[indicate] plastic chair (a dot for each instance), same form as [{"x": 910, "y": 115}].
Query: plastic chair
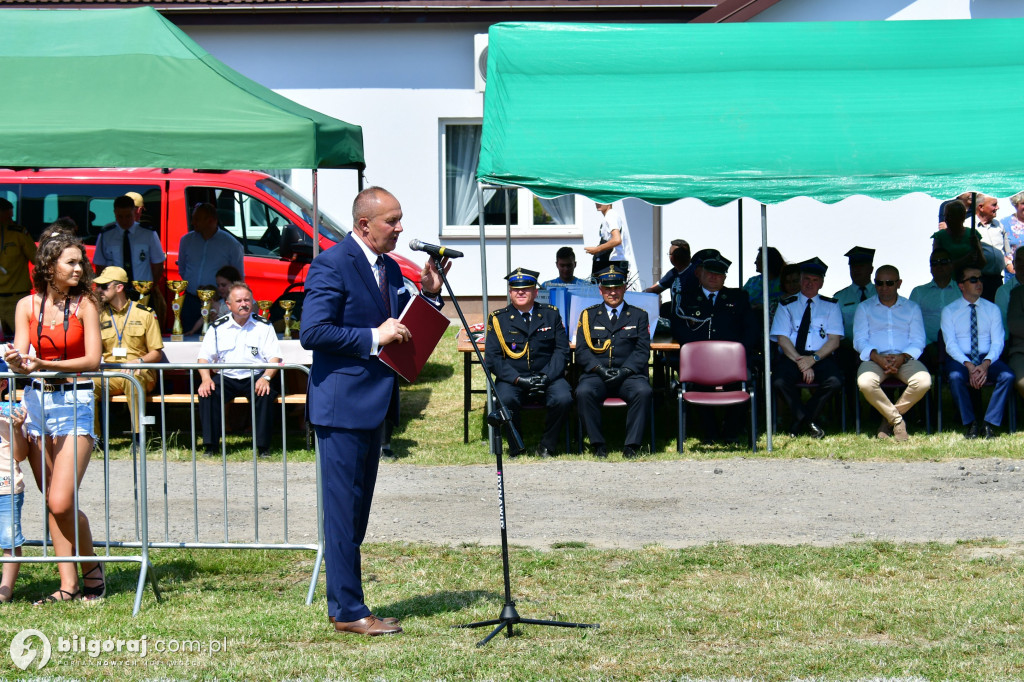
[{"x": 714, "y": 365}]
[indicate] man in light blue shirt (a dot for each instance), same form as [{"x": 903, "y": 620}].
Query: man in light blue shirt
[
  {"x": 972, "y": 330},
  {"x": 565, "y": 261},
  {"x": 932, "y": 298},
  {"x": 888, "y": 335},
  {"x": 201, "y": 253}
]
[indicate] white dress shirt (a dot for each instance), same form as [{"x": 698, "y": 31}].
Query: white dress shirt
[
  {"x": 956, "y": 330},
  {"x": 890, "y": 330}
]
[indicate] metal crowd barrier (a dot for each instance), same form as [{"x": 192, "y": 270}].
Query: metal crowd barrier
[{"x": 181, "y": 492}]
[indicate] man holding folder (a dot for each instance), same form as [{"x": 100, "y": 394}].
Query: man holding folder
[{"x": 354, "y": 294}]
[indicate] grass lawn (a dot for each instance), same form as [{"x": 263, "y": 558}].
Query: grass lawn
[{"x": 714, "y": 612}]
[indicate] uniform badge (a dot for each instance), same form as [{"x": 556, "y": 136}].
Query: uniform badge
[
  {"x": 512, "y": 346},
  {"x": 142, "y": 255},
  {"x": 821, "y": 332},
  {"x": 254, "y": 350}
]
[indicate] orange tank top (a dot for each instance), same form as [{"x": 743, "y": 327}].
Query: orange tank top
[{"x": 53, "y": 343}]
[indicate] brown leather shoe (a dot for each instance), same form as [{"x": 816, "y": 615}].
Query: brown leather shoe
[
  {"x": 885, "y": 429},
  {"x": 899, "y": 432},
  {"x": 387, "y": 619},
  {"x": 370, "y": 626}
]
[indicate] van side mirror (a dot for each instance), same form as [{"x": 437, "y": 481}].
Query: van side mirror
[{"x": 296, "y": 245}]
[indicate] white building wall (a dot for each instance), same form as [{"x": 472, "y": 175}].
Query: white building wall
[{"x": 399, "y": 82}]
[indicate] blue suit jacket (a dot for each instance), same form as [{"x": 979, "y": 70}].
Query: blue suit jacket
[{"x": 349, "y": 388}]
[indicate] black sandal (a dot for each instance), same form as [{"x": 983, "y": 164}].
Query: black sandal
[
  {"x": 54, "y": 598},
  {"x": 93, "y": 594}
]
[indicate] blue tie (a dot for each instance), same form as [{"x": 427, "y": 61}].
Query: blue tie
[{"x": 975, "y": 354}]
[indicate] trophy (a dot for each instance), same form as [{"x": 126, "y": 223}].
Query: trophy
[
  {"x": 206, "y": 296},
  {"x": 143, "y": 289},
  {"x": 264, "y": 307},
  {"x": 178, "y": 287},
  {"x": 286, "y": 306}
]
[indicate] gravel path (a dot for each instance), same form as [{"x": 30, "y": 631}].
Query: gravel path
[{"x": 604, "y": 504}]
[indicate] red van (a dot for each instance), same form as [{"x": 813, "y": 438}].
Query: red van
[{"x": 271, "y": 220}]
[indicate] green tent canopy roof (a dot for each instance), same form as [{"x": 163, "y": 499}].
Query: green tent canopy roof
[
  {"x": 124, "y": 88},
  {"x": 769, "y": 111}
]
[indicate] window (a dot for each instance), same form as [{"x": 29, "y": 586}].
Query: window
[
  {"x": 251, "y": 221},
  {"x": 530, "y": 215}
]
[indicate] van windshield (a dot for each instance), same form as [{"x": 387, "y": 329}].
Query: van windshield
[{"x": 301, "y": 206}]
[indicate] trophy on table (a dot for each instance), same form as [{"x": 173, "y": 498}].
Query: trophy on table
[
  {"x": 286, "y": 306},
  {"x": 143, "y": 289},
  {"x": 264, "y": 307},
  {"x": 206, "y": 296},
  {"x": 178, "y": 287}
]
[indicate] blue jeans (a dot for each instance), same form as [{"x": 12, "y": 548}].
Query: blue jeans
[
  {"x": 960, "y": 387},
  {"x": 7, "y": 503}
]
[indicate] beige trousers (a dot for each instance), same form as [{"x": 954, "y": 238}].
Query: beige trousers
[{"x": 912, "y": 372}]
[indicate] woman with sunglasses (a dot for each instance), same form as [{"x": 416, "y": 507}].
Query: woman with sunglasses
[{"x": 60, "y": 320}]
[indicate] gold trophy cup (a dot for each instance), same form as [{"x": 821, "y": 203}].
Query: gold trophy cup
[
  {"x": 178, "y": 287},
  {"x": 264, "y": 307},
  {"x": 287, "y": 306},
  {"x": 143, "y": 289},
  {"x": 206, "y": 296}
]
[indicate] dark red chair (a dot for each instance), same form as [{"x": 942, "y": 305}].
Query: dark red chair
[{"x": 712, "y": 366}]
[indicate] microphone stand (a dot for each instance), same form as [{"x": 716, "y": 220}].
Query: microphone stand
[{"x": 500, "y": 417}]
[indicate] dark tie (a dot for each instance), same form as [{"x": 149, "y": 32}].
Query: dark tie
[
  {"x": 712, "y": 298},
  {"x": 615, "y": 316},
  {"x": 801, "y": 332},
  {"x": 863, "y": 294},
  {"x": 526, "y": 319},
  {"x": 126, "y": 255},
  {"x": 975, "y": 353},
  {"x": 382, "y": 283}
]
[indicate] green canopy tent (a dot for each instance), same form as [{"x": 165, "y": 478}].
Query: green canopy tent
[
  {"x": 126, "y": 88},
  {"x": 770, "y": 111}
]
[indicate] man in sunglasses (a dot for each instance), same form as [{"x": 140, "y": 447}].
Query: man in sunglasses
[
  {"x": 972, "y": 330},
  {"x": 932, "y": 298},
  {"x": 888, "y": 335}
]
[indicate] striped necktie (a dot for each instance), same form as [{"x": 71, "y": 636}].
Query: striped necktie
[
  {"x": 975, "y": 352},
  {"x": 382, "y": 284}
]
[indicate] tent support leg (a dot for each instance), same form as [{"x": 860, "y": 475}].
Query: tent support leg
[{"x": 767, "y": 341}]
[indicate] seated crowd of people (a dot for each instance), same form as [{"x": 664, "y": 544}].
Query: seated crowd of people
[{"x": 966, "y": 326}]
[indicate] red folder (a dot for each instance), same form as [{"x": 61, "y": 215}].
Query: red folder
[{"x": 426, "y": 326}]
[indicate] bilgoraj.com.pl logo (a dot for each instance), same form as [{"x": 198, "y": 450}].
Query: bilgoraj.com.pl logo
[
  {"x": 32, "y": 648},
  {"x": 28, "y": 646}
]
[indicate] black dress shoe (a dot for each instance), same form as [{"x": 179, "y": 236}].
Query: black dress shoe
[
  {"x": 543, "y": 452},
  {"x": 387, "y": 455},
  {"x": 629, "y": 452},
  {"x": 599, "y": 450},
  {"x": 989, "y": 430},
  {"x": 797, "y": 428},
  {"x": 211, "y": 450},
  {"x": 264, "y": 453},
  {"x": 971, "y": 432},
  {"x": 816, "y": 431}
]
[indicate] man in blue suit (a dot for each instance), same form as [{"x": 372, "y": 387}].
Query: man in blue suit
[{"x": 354, "y": 293}]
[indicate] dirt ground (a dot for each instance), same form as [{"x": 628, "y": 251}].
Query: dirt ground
[{"x": 604, "y": 504}]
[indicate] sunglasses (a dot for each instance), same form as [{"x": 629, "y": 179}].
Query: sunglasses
[
  {"x": 972, "y": 280},
  {"x": 885, "y": 282},
  {"x": 941, "y": 261}
]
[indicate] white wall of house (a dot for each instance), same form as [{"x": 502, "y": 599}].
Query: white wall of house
[{"x": 403, "y": 83}]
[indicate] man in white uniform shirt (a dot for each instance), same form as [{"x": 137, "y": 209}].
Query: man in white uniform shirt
[
  {"x": 127, "y": 245},
  {"x": 241, "y": 337},
  {"x": 972, "y": 330},
  {"x": 888, "y": 335},
  {"x": 808, "y": 328}
]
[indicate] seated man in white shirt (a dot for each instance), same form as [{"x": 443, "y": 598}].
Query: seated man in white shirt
[
  {"x": 972, "y": 330},
  {"x": 239, "y": 338},
  {"x": 888, "y": 335}
]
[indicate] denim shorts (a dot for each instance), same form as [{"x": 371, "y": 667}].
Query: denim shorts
[
  {"x": 63, "y": 409},
  {"x": 5, "y": 520}
]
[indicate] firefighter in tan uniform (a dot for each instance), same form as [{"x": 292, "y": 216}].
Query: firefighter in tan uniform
[
  {"x": 130, "y": 334},
  {"x": 16, "y": 251}
]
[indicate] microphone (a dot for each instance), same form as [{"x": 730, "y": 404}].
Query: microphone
[{"x": 434, "y": 250}]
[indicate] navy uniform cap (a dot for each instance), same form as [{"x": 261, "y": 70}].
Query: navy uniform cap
[
  {"x": 612, "y": 276},
  {"x": 719, "y": 264},
  {"x": 814, "y": 266},
  {"x": 521, "y": 278},
  {"x": 703, "y": 255},
  {"x": 859, "y": 255}
]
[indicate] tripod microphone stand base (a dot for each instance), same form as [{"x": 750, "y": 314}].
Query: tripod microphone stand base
[{"x": 509, "y": 617}]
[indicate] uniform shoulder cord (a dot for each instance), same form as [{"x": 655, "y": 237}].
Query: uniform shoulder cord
[
  {"x": 515, "y": 355},
  {"x": 585, "y": 323}
]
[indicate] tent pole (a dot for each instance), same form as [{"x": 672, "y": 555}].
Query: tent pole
[
  {"x": 483, "y": 302},
  {"x": 739, "y": 237},
  {"x": 656, "y": 243},
  {"x": 508, "y": 242},
  {"x": 767, "y": 327},
  {"x": 316, "y": 218}
]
